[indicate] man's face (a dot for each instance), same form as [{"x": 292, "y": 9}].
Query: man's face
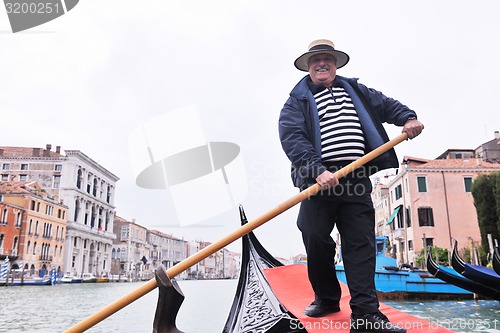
[{"x": 322, "y": 69}]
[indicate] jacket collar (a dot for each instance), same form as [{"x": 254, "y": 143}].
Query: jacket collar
[{"x": 306, "y": 86}]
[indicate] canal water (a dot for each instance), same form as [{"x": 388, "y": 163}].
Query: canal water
[{"x": 55, "y": 308}]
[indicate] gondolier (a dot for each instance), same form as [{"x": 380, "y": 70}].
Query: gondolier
[{"x": 327, "y": 122}]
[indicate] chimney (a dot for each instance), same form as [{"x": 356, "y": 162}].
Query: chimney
[
  {"x": 46, "y": 152},
  {"x": 497, "y": 135},
  {"x": 36, "y": 152},
  {"x": 58, "y": 149}
]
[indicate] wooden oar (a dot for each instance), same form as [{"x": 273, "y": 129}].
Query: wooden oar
[{"x": 238, "y": 233}]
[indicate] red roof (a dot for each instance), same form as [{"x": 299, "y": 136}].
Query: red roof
[
  {"x": 15, "y": 152},
  {"x": 466, "y": 163},
  {"x": 11, "y": 187}
]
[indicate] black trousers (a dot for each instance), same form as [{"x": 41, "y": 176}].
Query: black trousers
[{"x": 349, "y": 207}]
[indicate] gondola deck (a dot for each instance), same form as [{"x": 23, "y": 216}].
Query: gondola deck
[{"x": 291, "y": 286}]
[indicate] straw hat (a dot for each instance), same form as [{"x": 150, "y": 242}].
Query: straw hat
[{"x": 321, "y": 46}]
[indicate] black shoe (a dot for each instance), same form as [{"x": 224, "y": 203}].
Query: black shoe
[
  {"x": 373, "y": 323},
  {"x": 318, "y": 310}
]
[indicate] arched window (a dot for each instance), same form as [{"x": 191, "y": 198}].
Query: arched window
[
  {"x": 18, "y": 219},
  {"x": 4, "y": 217},
  {"x": 113, "y": 253},
  {"x": 77, "y": 209},
  {"x": 31, "y": 225},
  {"x": 108, "y": 194},
  {"x": 34, "y": 248},
  {"x": 89, "y": 183},
  {"x": 79, "y": 179},
  {"x": 14, "y": 245},
  {"x": 28, "y": 247},
  {"x": 2, "y": 236}
]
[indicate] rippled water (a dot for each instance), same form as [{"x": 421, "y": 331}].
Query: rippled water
[
  {"x": 57, "y": 308},
  {"x": 458, "y": 316},
  {"x": 205, "y": 309}
]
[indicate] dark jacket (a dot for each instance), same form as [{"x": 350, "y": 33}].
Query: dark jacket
[{"x": 300, "y": 135}]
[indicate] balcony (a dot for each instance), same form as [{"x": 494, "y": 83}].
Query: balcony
[
  {"x": 45, "y": 258},
  {"x": 398, "y": 234}
]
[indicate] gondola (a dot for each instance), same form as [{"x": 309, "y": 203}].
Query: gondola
[
  {"x": 496, "y": 260},
  {"x": 255, "y": 307},
  {"x": 479, "y": 274},
  {"x": 451, "y": 276},
  {"x": 258, "y": 304}
]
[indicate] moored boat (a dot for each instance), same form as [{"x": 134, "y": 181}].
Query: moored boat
[
  {"x": 451, "y": 276},
  {"x": 496, "y": 260},
  {"x": 405, "y": 281},
  {"x": 88, "y": 278},
  {"x": 480, "y": 274},
  {"x": 27, "y": 281},
  {"x": 71, "y": 279},
  {"x": 102, "y": 279}
]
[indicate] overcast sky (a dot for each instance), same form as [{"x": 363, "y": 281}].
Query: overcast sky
[{"x": 86, "y": 80}]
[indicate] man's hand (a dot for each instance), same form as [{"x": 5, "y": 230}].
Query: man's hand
[
  {"x": 413, "y": 128},
  {"x": 327, "y": 179}
]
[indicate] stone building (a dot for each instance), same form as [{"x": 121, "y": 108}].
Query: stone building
[
  {"x": 130, "y": 252},
  {"x": 85, "y": 187},
  {"x": 166, "y": 249}
]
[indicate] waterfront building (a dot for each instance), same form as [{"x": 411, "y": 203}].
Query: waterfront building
[
  {"x": 130, "y": 252},
  {"x": 36, "y": 225},
  {"x": 167, "y": 250},
  {"x": 11, "y": 217},
  {"x": 380, "y": 198},
  {"x": 431, "y": 204},
  {"x": 86, "y": 188},
  {"x": 222, "y": 264},
  {"x": 196, "y": 271}
]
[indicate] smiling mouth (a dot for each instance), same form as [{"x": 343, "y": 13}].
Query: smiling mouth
[{"x": 322, "y": 69}]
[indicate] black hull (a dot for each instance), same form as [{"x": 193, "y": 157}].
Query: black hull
[
  {"x": 496, "y": 261},
  {"x": 479, "y": 274},
  {"x": 255, "y": 307},
  {"x": 446, "y": 275}
]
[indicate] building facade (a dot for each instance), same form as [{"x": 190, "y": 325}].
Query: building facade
[
  {"x": 11, "y": 217},
  {"x": 130, "y": 251},
  {"x": 137, "y": 251},
  {"x": 431, "y": 204},
  {"x": 489, "y": 151},
  {"x": 85, "y": 187},
  {"x": 166, "y": 249},
  {"x": 38, "y": 227}
]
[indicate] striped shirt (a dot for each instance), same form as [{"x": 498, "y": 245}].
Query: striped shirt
[{"x": 341, "y": 133}]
